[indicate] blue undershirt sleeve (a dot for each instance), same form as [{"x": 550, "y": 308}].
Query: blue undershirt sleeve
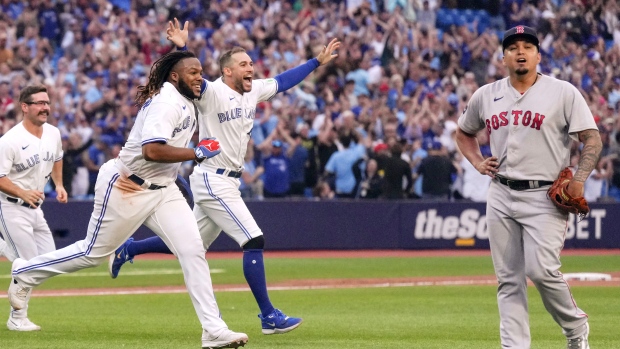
[{"x": 295, "y": 75}]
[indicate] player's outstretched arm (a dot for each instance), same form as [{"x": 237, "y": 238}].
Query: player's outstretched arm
[
  {"x": 327, "y": 53},
  {"x": 295, "y": 75}
]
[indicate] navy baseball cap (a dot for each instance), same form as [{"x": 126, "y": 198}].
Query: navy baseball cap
[
  {"x": 520, "y": 32},
  {"x": 276, "y": 143}
]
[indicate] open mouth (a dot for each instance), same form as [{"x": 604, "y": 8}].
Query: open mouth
[
  {"x": 247, "y": 78},
  {"x": 521, "y": 60}
]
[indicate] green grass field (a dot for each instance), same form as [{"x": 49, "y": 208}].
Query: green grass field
[{"x": 398, "y": 317}]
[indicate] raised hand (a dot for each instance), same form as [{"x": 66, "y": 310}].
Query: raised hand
[
  {"x": 206, "y": 149},
  {"x": 327, "y": 53},
  {"x": 175, "y": 34}
]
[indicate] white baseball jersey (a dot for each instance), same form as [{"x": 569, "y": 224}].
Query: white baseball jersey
[
  {"x": 172, "y": 120},
  {"x": 229, "y": 116},
  {"x": 121, "y": 207},
  {"x": 28, "y": 160},
  {"x": 528, "y": 132}
]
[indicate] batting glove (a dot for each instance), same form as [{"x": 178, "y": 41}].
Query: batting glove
[{"x": 206, "y": 149}]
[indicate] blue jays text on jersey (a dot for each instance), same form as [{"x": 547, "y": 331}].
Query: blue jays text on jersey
[
  {"x": 183, "y": 126},
  {"x": 33, "y": 161},
  {"x": 248, "y": 113}
]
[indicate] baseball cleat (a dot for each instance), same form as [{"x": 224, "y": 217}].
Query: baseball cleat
[
  {"x": 580, "y": 342},
  {"x": 277, "y": 322},
  {"x": 226, "y": 339},
  {"x": 119, "y": 258},
  {"x": 22, "y": 325},
  {"x": 18, "y": 295}
]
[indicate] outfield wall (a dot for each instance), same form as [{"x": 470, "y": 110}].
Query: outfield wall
[{"x": 297, "y": 225}]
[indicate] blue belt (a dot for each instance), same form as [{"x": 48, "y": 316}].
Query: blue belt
[
  {"x": 139, "y": 181},
  {"x": 233, "y": 174},
  {"x": 25, "y": 204}
]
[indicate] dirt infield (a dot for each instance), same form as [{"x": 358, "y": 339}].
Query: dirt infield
[
  {"x": 338, "y": 283},
  {"x": 380, "y": 253}
]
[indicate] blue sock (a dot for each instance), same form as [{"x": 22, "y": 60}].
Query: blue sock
[
  {"x": 254, "y": 272},
  {"x": 150, "y": 245}
]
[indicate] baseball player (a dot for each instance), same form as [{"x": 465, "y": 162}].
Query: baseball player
[
  {"x": 31, "y": 153},
  {"x": 228, "y": 108},
  {"x": 531, "y": 119},
  {"x": 138, "y": 188}
]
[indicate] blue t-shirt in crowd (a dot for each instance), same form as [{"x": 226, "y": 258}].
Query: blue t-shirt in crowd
[
  {"x": 341, "y": 164},
  {"x": 297, "y": 169},
  {"x": 360, "y": 77},
  {"x": 276, "y": 174},
  {"x": 49, "y": 24}
]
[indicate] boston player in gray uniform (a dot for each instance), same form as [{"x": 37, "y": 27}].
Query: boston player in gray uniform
[
  {"x": 31, "y": 153},
  {"x": 532, "y": 120},
  {"x": 228, "y": 108},
  {"x": 138, "y": 188}
]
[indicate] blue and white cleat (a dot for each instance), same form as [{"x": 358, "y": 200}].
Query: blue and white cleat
[
  {"x": 119, "y": 258},
  {"x": 277, "y": 322}
]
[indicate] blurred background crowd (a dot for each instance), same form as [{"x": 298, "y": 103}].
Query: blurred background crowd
[{"x": 378, "y": 122}]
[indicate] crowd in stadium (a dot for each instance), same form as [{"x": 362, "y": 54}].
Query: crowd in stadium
[{"x": 373, "y": 124}]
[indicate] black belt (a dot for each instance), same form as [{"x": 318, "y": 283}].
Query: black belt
[
  {"x": 233, "y": 174},
  {"x": 139, "y": 181},
  {"x": 14, "y": 200},
  {"x": 522, "y": 185}
]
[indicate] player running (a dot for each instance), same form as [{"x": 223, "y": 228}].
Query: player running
[
  {"x": 138, "y": 188},
  {"x": 228, "y": 108}
]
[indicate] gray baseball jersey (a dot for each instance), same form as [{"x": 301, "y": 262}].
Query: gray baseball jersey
[
  {"x": 528, "y": 130},
  {"x": 530, "y": 134}
]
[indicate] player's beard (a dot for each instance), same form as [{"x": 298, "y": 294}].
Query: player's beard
[
  {"x": 522, "y": 71},
  {"x": 186, "y": 90},
  {"x": 239, "y": 86}
]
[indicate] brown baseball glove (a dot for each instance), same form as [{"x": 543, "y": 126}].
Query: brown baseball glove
[{"x": 560, "y": 197}]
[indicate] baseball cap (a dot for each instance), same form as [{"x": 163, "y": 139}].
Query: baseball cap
[
  {"x": 276, "y": 143},
  {"x": 520, "y": 32},
  {"x": 380, "y": 147}
]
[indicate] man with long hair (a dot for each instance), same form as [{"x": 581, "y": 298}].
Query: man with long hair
[
  {"x": 228, "y": 109},
  {"x": 138, "y": 188}
]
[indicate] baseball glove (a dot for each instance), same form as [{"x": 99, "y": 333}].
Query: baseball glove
[{"x": 560, "y": 197}]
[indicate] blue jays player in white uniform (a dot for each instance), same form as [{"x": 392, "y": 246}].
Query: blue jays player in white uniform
[
  {"x": 532, "y": 120},
  {"x": 228, "y": 108},
  {"x": 31, "y": 153},
  {"x": 138, "y": 188}
]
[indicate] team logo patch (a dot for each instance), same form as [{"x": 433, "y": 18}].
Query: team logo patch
[{"x": 520, "y": 29}]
